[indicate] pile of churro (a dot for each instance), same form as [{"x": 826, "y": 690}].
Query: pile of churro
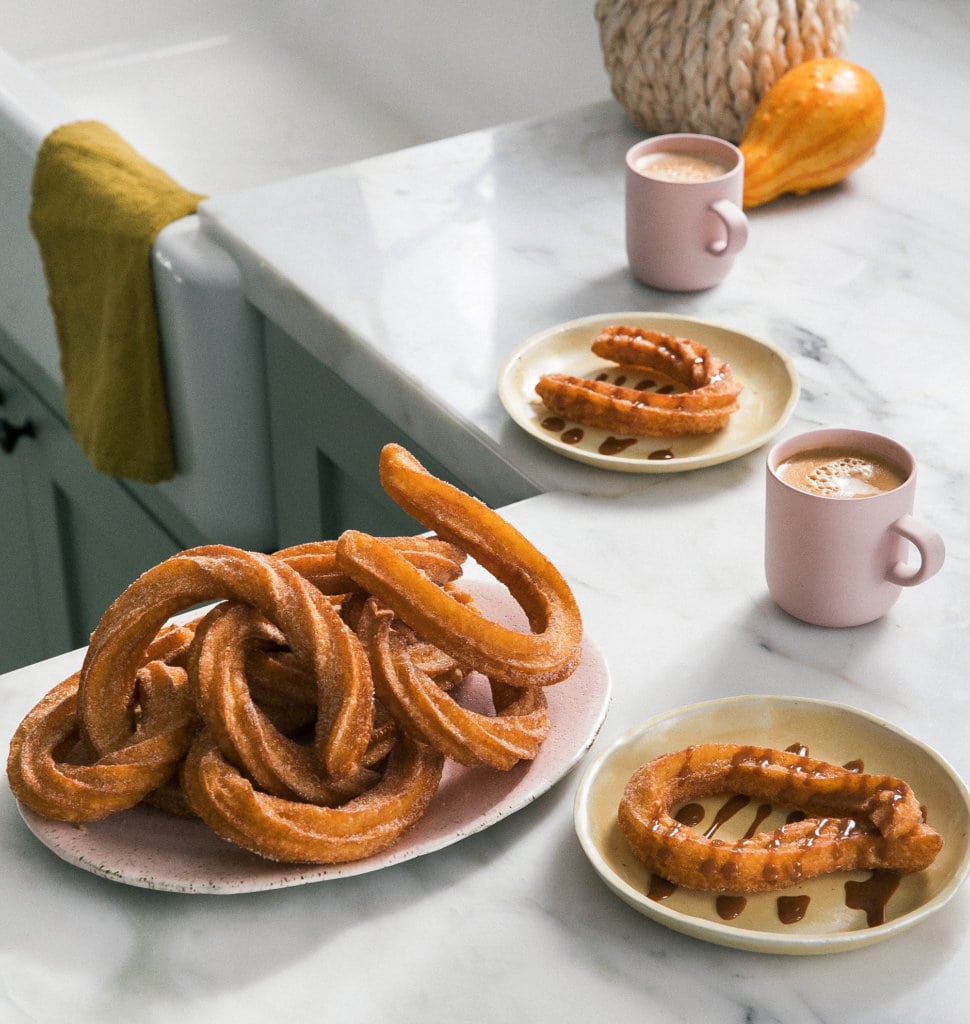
[{"x": 307, "y": 712}]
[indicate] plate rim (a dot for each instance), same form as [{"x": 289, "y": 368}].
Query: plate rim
[
  {"x": 284, "y": 875},
  {"x": 751, "y": 940},
  {"x": 510, "y": 396}
]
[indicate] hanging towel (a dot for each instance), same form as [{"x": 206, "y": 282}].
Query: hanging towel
[{"x": 97, "y": 207}]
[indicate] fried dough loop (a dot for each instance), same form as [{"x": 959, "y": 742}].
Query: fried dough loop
[
  {"x": 701, "y": 395},
  {"x": 856, "y": 821},
  {"x": 245, "y": 734},
  {"x": 213, "y": 573},
  {"x": 52, "y": 771},
  {"x": 298, "y": 831},
  {"x": 430, "y": 715},
  {"x": 544, "y": 656},
  {"x": 260, "y": 715}
]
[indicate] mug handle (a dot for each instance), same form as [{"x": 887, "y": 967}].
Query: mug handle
[
  {"x": 736, "y": 226},
  {"x": 927, "y": 542}
]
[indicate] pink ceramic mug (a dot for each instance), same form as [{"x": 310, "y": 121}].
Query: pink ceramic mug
[
  {"x": 684, "y": 226},
  {"x": 841, "y": 561}
]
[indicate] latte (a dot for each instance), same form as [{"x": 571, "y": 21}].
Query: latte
[
  {"x": 679, "y": 167},
  {"x": 840, "y": 473}
]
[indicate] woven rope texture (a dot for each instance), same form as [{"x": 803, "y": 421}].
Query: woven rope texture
[{"x": 702, "y": 65}]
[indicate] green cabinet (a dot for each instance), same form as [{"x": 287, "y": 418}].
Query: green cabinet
[
  {"x": 326, "y": 442},
  {"x": 21, "y": 614},
  {"x": 72, "y": 538}
]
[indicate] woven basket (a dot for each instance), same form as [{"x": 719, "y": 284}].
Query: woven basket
[{"x": 702, "y": 65}]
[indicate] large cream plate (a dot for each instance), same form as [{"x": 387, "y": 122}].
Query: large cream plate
[
  {"x": 149, "y": 849},
  {"x": 832, "y": 732},
  {"x": 769, "y": 396}
]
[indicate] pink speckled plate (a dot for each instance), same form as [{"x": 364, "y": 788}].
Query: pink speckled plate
[{"x": 147, "y": 848}]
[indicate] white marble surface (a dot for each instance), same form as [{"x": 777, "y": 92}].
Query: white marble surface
[
  {"x": 514, "y": 921},
  {"x": 436, "y": 263},
  {"x": 415, "y": 275}
]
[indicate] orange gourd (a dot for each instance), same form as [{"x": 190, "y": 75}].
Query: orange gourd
[{"x": 811, "y": 129}]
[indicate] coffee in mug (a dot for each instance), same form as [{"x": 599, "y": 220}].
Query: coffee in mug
[
  {"x": 684, "y": 218},
  {"x": 840, "y": 529},
  {"x": 841, "y": 472},
  {"x": 665, "y": 166}
]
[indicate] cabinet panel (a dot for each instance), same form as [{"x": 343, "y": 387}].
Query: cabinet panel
[
  {"x": 20, "y": 611},
  {"x": 86, "y": 537},
  {"x": 326, "y": 443},
  {"x": 94, "y": 538}
]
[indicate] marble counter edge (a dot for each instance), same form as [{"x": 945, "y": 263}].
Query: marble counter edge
[{"x": 503, "y": 462}]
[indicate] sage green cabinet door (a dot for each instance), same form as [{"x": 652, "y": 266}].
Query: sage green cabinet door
[
  {"x": 73, "y": 538},
  {"x": 326, "y": 445},
  {"x": 92, "y": 537},
  {"x": 21, "y": 639}
]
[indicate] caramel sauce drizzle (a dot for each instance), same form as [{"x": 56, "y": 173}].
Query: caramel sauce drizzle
[
  {"x": 763, "y": 811},
  {"x": 727, "y": 811},
  {"x": 572, "y": 435},
  {"x": 690, "y": 815},
  {"x": 729, "y": 908},
  {"x": 615, "y": 445},
  {"x": 871, "y": 895},
  {"x": 791, "y": 909},
  {"x": 660, "y": 889}
]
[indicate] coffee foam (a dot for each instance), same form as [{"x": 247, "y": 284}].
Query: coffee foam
[
  {"x": 847, "y": 477},
  {"x": 849, "y": 473},
  {"x": 679, "y": 167}
]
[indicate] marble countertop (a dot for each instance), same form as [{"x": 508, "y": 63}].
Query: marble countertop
[
  {"x": 514, "y": 921},
  {"x": 449, "y": 256},
  {"x": 415, "y": 275}
]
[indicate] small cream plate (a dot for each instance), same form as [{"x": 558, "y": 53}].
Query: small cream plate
[
  {"x": 147, "y": 848},
  {"x": 769, "y": 396},
  {"x": 831, "y": 732}
]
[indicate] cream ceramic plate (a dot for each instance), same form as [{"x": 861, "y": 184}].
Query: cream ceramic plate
[
  {"x": 147, "y": 848},
  {"x": 831, "y": 732},
  {"x": 769, "y": 395}
]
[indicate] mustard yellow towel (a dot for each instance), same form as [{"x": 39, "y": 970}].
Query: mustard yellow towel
[{"x": 97, "y": 207}]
